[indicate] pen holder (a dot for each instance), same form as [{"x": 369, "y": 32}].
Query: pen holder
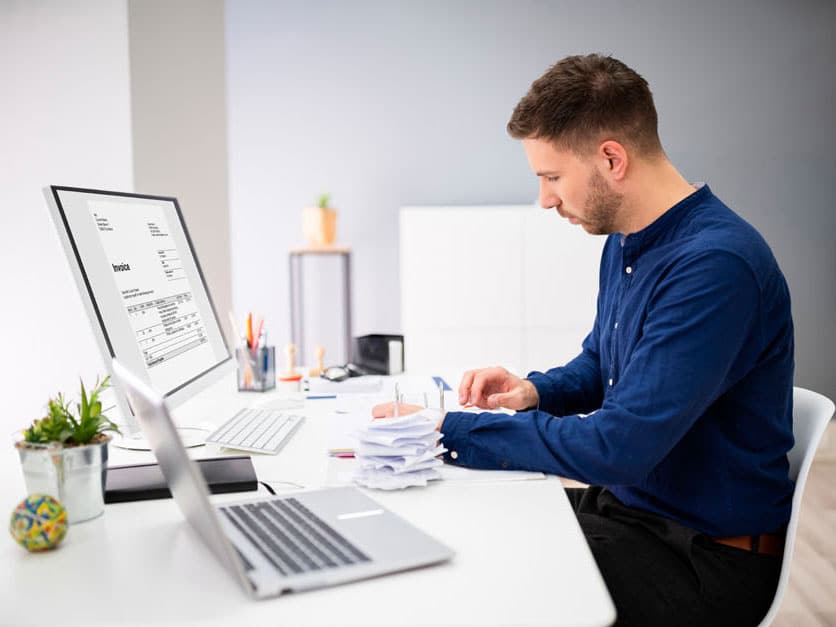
[{"x": 256, "y": 369}]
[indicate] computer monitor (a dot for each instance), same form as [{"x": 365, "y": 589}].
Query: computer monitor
[{"x": 144, "y": 292}]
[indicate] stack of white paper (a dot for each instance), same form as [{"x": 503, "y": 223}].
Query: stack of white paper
[{"x": 395, "y": 453}]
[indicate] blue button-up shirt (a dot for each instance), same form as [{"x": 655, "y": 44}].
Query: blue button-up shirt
[{"x": 681, "y": 400}]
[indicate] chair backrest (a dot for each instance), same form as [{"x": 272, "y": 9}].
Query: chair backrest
[{"x": 810, "y": 415}]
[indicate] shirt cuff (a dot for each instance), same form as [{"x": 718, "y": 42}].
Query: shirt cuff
[
  {"x": 455, "y": 430},
  {"x": 547, "y": 395}
]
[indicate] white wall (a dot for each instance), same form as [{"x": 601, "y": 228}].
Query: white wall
[
  {"x": 65, "y": 120},
  {"x": 520, "y": 291}
]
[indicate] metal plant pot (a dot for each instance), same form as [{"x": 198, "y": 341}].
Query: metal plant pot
[{"x": 75, "y": 475}]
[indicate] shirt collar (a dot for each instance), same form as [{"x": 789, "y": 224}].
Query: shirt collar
[{"x": 665, "y": 223}]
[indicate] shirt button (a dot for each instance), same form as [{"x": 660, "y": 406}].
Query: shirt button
[
  {"x": 610, "y": 382},
  {"x": 504, "y": 465},
  {"x": 454, "y": 455},
  {"x": 628, "y": 270},
  {"x": 616, "y": 325}
]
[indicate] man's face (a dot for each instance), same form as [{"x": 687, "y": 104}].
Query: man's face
[{"x": 574, "y": 186}]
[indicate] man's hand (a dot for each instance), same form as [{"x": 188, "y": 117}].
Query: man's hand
[{"x": 490, "y": 388}]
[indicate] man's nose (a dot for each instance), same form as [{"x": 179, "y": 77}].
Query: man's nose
[{"x": 548, "y": 199}]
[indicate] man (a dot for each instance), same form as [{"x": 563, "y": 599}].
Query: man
[{"x": 678, "y": 411}]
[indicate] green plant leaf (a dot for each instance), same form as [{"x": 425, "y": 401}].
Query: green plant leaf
[
  {"x": 61, "y": 425},
  {"x": 84, "y": 405}
]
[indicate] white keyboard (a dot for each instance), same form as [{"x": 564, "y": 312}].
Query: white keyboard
[{"x": 257, "y": 430}]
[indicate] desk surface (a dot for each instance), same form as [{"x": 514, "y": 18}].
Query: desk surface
[{"x": 520, "y": 556}]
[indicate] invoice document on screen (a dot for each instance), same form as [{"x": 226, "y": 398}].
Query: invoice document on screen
[{"x": 156, "y": 286}]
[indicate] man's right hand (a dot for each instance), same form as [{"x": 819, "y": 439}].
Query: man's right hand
[{"x": 490, "y": 388}]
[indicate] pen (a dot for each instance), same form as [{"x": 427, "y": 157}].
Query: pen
[
  {"x": 257, "y": 335},
  {"x": 262, "y": 346},
  {"x": 248, "y": 365},
  {"x": 397, "y": 397},
  {"x": 250, "y": 330}
]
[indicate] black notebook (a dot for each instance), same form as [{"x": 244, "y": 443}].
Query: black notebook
[{"x": 139, "y": 482}]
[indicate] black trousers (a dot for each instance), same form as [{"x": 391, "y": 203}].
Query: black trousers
[{"x": 662, "y": 573}]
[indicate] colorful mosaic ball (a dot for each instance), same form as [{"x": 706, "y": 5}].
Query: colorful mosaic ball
[{"x": 39, "y": 523}]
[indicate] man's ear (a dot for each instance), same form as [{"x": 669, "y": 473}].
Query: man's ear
[{"x": 616, "y": 157}]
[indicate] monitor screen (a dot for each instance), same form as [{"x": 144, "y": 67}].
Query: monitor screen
[{"x": 139, "y": 276}]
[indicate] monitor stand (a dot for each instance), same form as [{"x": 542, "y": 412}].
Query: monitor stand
[{"x": 191, "y": 437}]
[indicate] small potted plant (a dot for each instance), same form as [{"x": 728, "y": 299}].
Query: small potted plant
[
  {"x": 64, "y": 454},
  {"x": 319, "y": 224}
]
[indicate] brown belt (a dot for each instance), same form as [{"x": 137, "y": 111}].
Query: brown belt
[{"x": 769, "y": 543}]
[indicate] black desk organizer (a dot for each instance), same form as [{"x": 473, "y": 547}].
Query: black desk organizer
[{"x": 140, "y": 482}]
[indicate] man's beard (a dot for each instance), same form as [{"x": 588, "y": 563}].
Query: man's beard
[{"x": 601, "y": 206}]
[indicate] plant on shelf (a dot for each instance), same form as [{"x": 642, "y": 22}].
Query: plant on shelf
[
  {"x": 88, "y": 426},
  {"x": 64, "y": 454},
  {"x": 324, "y": 201},
  {"x": 319, "y": 224}
]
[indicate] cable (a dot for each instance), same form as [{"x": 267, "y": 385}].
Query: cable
[{"x": 284, "y": 483}]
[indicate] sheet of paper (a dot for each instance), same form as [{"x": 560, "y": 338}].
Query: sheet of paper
[
  {"x": 341, "y": 471},
  {"x": 414, "y": 390},
  {"x": 458, "y": 473},
  {"x": 420, "y": 391},
  {"x": 358, "y": 402},
  {"x": 412, "y": 384},
  {"x": 343, "y": 429},
  {"x": 413, "y": 452},
  {"x": 367, "y": 384},
  {"x": 384, "y": 479}
]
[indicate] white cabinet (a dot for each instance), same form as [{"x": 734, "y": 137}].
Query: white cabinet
[{"x": 494, "y": 285}]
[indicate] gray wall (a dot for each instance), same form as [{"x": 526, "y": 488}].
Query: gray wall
[
  {"x": 178, "y": 112},
  {"x": 387, "y": 104}
]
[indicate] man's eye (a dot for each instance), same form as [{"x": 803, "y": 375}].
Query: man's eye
[{"x": 552, "y": 179}]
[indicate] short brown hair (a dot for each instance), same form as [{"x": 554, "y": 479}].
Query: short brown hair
[{"x": 582, "y": 99}]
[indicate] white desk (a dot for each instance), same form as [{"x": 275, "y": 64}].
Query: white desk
[{"x": 520, "y": 556}]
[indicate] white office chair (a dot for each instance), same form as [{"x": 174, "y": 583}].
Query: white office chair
[{"x": 811, "y": 413}]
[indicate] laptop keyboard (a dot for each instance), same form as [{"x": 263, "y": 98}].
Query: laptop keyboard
[
  {"x": 291, "y": 537},
  {"x": 257, "y": 430}
]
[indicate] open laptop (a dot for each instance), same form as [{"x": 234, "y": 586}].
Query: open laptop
[{"x": 285, "y": 543}]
